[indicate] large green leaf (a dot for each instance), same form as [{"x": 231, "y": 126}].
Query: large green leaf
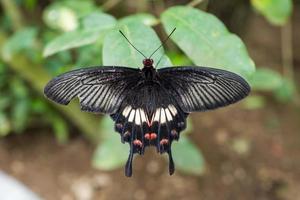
[
  {"x": 110, "y": 153},
  {"x": 71, "y": 40},
  {"x": 206, "y": 41},
  {"x": 118, "y": 52},
  {"x": 277, "y": 12}
]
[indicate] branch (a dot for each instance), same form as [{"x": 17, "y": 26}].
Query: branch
[
  {"x": 37, "y": 77},
  {"x": 13, "y": 12}
]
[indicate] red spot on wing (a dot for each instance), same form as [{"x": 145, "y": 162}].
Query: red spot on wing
[
  {"x": 150, "y": 136},
  {"x": 164, "y": 142},
  {"x": 138, "y": 143}
]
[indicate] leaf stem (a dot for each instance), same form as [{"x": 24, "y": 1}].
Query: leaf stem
[
  {"x": 110, "y": 4},
  {"x": 195, "y": 3}
]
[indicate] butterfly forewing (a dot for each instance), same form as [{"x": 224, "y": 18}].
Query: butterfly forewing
[
  {"x": 99, "y": 89},
  {"x": 200, "y": 88}
]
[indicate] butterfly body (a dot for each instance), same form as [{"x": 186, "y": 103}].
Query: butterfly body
[{"x": 149, "y": 106}]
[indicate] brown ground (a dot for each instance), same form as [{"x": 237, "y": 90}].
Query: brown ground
[{"x": 250, "y": 154}]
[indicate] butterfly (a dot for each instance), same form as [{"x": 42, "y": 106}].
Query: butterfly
[{"x": 149, "y": 106}]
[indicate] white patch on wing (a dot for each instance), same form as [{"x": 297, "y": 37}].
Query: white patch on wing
[
  {"x": 131, "y": 116},
  {"x": 168, "y": 114},
  {"x": 143, "y": 115},
  {"x": 126, "y": 111},
  {"x": 162, "y": 116},
  {"x": 137, "y": 117},
  {"x": 172, "y": 109},
  {"x": 156, "y": 115}
]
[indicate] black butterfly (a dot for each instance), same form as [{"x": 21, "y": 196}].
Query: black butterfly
[{"x": 149, "y": 106}]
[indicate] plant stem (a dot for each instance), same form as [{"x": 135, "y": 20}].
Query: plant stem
[
  {"x": 287, "y": 51},
  {"x": 13, "y": 12},
  {"x": 287, "y": 56}
]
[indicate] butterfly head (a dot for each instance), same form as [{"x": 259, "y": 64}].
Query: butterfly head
[{"x": 148, "y": 62}]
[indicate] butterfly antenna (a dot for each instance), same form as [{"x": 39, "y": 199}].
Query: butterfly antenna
[
  {"x": 132, "y": 44},
  {"x": 159, "y": 60},
  {"x": 163, "y": 42}
]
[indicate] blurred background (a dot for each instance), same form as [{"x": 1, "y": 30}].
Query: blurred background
[{"x": 249, "y": 150}]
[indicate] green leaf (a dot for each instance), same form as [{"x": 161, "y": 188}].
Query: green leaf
[
  {"x": 144, "y": 18},
  {"x": 254, "y": 102},
  {"x": 286, "y": 91},
  {"x": 64, "y": 15},
  {"x": 187, "y": 157},
  {"x": 110, "y": 154},
  {"x": 81, "y": 8},
  {"x": 118, "y": 52},
  {"x": 5, "y": 126},
  {"x": 5, "y": 101},
  {"x": 277, "y": 12},
  {"x": 89, "y": 55},
  {"x": 20, "y": 113},
  {"x": 98, "y": 20},
  {"x": 20, "y": 41},
  {"x": 21, "y": 105},
  {"x": 60, "y": 128},
  {"x": 265, "y": 79},
  {"x": 206, "y": 41},
  {"x": 71, "y": 40}
]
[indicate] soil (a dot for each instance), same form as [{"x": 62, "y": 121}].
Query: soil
[{"x": 250, "y": 154}]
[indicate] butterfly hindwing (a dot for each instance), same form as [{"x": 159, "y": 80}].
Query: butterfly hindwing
[
  {"x": 200, "y": 88},
  {"x": 99, "y": 89},
  {"x": 144, "y": 124}
]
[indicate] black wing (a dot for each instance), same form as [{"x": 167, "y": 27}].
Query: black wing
[
  {"x": 202, "y": 88},
  {"x": 99, "y": 89}
]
